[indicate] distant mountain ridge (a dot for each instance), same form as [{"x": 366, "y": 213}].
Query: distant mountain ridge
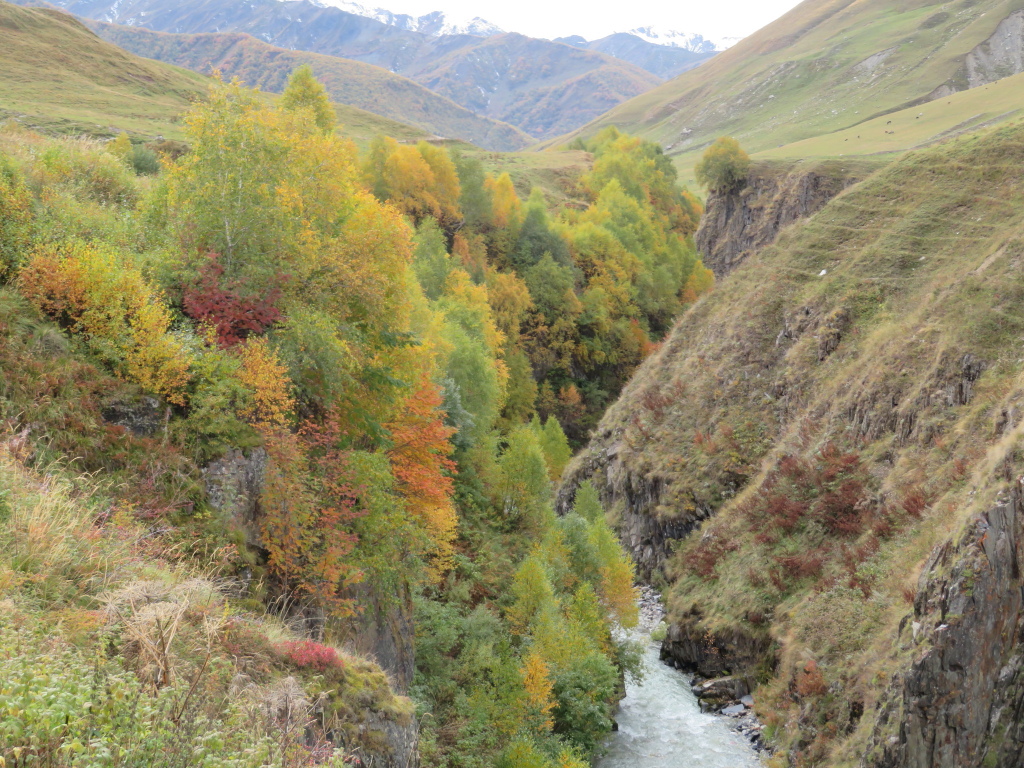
[
  {"x": 354, "y": 83},
  {"x": 665, "y": 61},
  {"x": 507, "y": 77},
  {"x": 435, "y": 23},
  {"x": 686, "y": 40}
]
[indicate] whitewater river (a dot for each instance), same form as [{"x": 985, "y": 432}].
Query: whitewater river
[{"x": 661, "y": 726}]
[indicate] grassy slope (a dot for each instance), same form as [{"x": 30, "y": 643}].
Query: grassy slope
[
  {"x": 58, "y": 76},
  {"x": 922, "y": 260},
  {"x": 916, "y": 126},
  {"x": 354, "y": 83},
  {"x": 811, "y": 72}
]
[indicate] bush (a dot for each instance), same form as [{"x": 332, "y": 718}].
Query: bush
[
  {"x": 144, "y": 160},
  {"x": 91, "y": 291},
  {"x": 723, "y": 166}
]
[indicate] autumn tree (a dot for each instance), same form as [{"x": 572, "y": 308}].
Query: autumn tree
[
  {"x": 304, "y": 91},
  {"x": 723, "y": 166},
  {"x": 421, "y": 465}
]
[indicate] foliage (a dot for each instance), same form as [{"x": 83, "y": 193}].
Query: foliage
[
  {"x": 723, "y": 166},
  {"x": 90, "y": 291},
  {"x": 398, "y": 373},
  {"x": 305, "y": 92},
  {"x": 233, "y": 317},
  {"x": 15, "y": 216}
]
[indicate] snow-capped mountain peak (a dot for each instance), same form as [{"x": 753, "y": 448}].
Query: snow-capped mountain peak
[
  {"x": 434, "y": 24},
  {"x": 675, "y": 39}
]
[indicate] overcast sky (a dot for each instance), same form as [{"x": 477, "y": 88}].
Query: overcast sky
[{"x": 597, "y": 18}]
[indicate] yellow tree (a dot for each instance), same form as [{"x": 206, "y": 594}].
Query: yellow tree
[{"x": 306, "y": 92}]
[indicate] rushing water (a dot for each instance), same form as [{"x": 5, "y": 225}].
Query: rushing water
[{"x": 661, "y": 726}]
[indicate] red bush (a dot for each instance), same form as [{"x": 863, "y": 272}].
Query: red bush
[
  {"x": 914, "y": 502},
  {"x": 235, "y": 317},
  {"x": 803, "y": 564},
  {"x": 307, "y": 654},
  {"x": 810, "y": 681},
  {"x": 705, "y": 557}
]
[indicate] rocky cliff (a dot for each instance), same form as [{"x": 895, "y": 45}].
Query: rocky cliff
[
  {"x": 739, "y": 223},
  {"x": 819, "y": 465},
  {"x": 383, "y": 632},
  {"x": 999, "y": 55}
]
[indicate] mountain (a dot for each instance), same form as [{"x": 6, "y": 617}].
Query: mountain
[
  {"x": 435, "y": 23},
  {"x": 349, "y": 82},
  {"x": 822, "y": 462},
  {"x": 672, "y": 39},
  {"x": 665, "y": 61},
  {"x": 536, "y": 74},
  {"x": 56, "y": 75},
  {"x": 825, "y": 66},
  {"x": 540, "y": 86}
]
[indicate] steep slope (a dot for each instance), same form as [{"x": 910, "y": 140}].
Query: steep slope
[
  {"x": 825, "y": 66},
  {"x": 349, "y": 82},
  {"x": 665, "y": 61},
  {"x": 821, "y": 463},
  {"x": 57, "y": 75},
  {"x": 542, "y": 86},
  {"x": 303, "y": 25}
]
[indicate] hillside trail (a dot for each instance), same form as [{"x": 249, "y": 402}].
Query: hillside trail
[{"x": 660, "y": 724}]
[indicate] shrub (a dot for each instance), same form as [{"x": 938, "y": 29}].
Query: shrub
[
  {"x": 723, "y": 166},
  {"x": 144, "y": 160},
  {"x": 233, "y": 316},
  {"x": 15, "y": 215},
  {"x": 308, "y": 654},
  {"x": 91, "y": 291}
]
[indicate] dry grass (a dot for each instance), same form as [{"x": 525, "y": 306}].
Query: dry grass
[{"x": 926, "y": 386}]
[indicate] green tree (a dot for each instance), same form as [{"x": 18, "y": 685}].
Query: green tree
[
  {"x": 723, "y": 166},
  {"x": 523, "y": 489},
  {"x": 555, "y": 446},
  {"x": 306, "y": 92}
]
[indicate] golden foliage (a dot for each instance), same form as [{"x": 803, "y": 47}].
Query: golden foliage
[
  {"x": 537, "y": 683},
  {"x": 266, "y": 378},
  {"x": 91, "y": 291}
]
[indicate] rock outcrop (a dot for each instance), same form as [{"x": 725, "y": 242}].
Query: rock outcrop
[
  {"x": 999, "y": 56},
  {"x": 635, "y": 497},
  {"x": 737, "y": 224},
  {"x": 959, "y": 704},
  {"x": 233, "y": 485},
  {"x": 383, "y": 632}
]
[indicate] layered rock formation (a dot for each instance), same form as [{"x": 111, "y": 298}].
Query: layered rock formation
[
  {"x": 820, "y": 462},
  {"x": 738, "y": 223}
]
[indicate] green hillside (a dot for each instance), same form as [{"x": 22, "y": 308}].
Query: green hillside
[
  {"x": 823, "y": 67},
  {"x": 916, "y": 126},
  {"x": 364, "y": 86},
  {"x": 56, "y": 75},
  {"x": 833, "y": 437}
]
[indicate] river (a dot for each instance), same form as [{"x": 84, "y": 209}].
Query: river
[{"x": 661, "y": 725}]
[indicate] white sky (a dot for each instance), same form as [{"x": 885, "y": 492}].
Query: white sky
[{"x": 558, "y": 18}]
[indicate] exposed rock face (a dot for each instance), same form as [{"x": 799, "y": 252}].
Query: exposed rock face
[
  {"x": 142, "y": 416},
  {"x": 1001, "y": 55},
  {"x": 959, "y": 704},
  {"x": 691, "y": 649},
  {"x": 736, "y": 224},
  {"x": 385, "y": 633},
  {"x": 233, "y": 485},
  {"x": 645, "y": 536},
  {"x": 401, "y": 743}
]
